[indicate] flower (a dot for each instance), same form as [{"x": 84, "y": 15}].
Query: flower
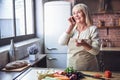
[{"x": 33, "y": 49}]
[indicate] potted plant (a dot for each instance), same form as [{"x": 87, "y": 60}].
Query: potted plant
[{"x": 33, "y": 52}]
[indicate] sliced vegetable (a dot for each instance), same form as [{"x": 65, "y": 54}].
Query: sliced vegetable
[{"x": 97, "y": 75}]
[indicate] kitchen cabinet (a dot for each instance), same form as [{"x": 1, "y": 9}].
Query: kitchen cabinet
[
  {"x": 95, "y": 5},
  {"x": 110, "y": 60},
  {"x": 40, "y": 63},
  {"x": 92, "y": 4}
]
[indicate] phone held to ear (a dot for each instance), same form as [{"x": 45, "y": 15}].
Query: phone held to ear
[{"x": 73, "y": 19}]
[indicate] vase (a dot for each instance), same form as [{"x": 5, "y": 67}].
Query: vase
[
  {"x": 12, "y": 51},
  {"x": 33, "y": 57}
]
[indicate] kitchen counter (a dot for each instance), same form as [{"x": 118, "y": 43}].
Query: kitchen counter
[
  {"x": 10, "y": 75},
  {"x": 32, "y": 74},
  {"x": 110, "y": 49},
  {"x": 109, "y": 59}
]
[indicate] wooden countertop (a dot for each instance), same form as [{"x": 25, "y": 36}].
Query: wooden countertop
[
  {"x": 110, "y": 49},
  {"x": 28, "y": 75}
]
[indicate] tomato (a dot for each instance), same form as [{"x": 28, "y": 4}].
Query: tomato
[{"x": 108, "y": 74}]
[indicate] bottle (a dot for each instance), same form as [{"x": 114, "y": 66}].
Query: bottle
[
  {"x": 12, "y": 51},
  {"x": 101, "y": 43},
  {"x": 109, "y": 44}
]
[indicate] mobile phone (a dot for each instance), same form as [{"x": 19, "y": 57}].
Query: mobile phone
[{"x": 73, "y": 19}]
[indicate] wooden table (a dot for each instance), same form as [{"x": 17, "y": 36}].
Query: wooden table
[{"x": 31, "y": 74}]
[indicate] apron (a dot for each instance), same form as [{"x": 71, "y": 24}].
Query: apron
[{"x": 79, "y": 58}]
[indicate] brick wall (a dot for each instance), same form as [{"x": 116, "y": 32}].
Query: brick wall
[{"x": 112, "y": 34}]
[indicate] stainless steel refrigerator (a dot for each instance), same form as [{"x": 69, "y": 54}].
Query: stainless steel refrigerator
[{"x": 56, "y": 14}]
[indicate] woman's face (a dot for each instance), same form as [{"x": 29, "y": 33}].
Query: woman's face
[{"x": 79, "y": 16}]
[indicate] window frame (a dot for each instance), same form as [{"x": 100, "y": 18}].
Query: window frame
[{"x": 6, "y": 41}]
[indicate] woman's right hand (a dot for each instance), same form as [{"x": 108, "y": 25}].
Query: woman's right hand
[{"x": 72, "y": 23}]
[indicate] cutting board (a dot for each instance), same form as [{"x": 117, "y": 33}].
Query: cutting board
[
  {"x": 18, "y": 69},
  {"x": 93, "y": 73}
]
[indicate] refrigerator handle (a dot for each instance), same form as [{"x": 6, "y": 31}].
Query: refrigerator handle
[
  {"x": 49, "y": 58},
  {"x": 51, "y": 48}
]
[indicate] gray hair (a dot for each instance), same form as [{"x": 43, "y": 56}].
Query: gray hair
[{"x": 84, "y": 9}]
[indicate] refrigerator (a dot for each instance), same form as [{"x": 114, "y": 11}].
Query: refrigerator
[{"x": 56, "y": 14}]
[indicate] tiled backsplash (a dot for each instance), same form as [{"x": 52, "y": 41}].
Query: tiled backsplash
[{"x": 112, "y": 34}]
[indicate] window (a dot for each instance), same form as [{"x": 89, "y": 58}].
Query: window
[
  {"x": 20, "y": 17},
  {"x": 16, "y": 20},
  {"x": 6, "y": 20}
]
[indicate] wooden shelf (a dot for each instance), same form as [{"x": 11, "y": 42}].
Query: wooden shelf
[
  {"x": 108, "y": 27},
  {"x": 105, "y": 12},
  {"x": 102, "y": 27}
]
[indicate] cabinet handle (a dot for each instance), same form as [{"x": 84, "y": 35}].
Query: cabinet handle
[
  {"x": 51, "y": 48},
  {"x": 49, "y": 58}
]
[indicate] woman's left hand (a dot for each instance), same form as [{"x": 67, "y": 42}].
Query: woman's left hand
[
  {"x": 80, "y": 42},
  {"x": 84, "y": 44}
]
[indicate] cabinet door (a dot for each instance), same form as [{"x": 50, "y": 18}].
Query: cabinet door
[
  {"x": 92, "y": 4},
  {"x": 111, "y": 60},
  {"x": 56, "y": 60}
]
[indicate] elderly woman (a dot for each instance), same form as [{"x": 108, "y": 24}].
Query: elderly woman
[{"x": 82, "y": 40}]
